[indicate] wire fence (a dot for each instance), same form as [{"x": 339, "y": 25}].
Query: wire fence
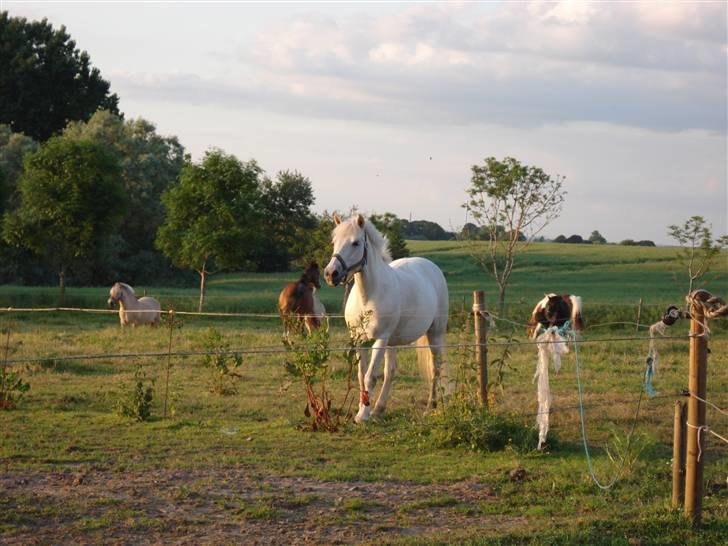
[{"x": 278, "y": 350}]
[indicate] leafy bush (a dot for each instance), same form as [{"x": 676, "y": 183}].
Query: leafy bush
[
  {"x": 463, "y": 422},
  {"x": 12, "y": 387},
  {"x": 221, "y": 362},
  {"x": 137, "y": 402}
]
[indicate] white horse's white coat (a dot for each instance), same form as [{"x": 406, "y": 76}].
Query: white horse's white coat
[
  {"x": 394, "y": 303},
  {"x": 146, "y": 310}
]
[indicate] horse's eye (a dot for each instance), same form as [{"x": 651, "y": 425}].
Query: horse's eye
[{"x": 355, "y": 243}]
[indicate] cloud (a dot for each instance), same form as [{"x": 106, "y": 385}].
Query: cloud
[{"x": 513, "y": 64}]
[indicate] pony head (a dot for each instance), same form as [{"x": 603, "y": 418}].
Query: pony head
[
  {"x": 117, "y": 292},
  {"x": 556, "y": 310},
  {"x": 312, "y": 275},
  {"x": 355, "y": 241}
]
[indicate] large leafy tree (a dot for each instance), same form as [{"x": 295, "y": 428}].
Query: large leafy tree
[
  {"x": 71, "y": 198},
  {"x": 286, "y": 202},
  {"x": 698, "y": 249},
  {"x": 45, "y": 81},
  {"x": 391, "y": 226},
  {"x": 213, "y": 216},
  {"x": 13, "y": 149},
  {"x": 511, "y": 202},
  {"x": 149, "y": 164}
]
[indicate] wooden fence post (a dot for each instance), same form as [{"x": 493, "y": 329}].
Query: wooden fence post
[
  {"x": 481, "y": 339},
  {"x": 678, "y": 455},
  {"x": 697, "y": 376}
]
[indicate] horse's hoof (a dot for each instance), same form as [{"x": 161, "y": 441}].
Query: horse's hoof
[{"x": 362, "y": 416}]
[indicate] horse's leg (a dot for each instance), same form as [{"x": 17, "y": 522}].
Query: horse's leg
[
  {"x": 362, "y": 368},
  {"x": 369, "y": 379},
  {"x": 390, "y": 367}
]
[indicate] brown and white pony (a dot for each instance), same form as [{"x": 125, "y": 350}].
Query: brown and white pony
[
  {"x": 298, "y": 301},
  {"x": 555, "y": 310}
]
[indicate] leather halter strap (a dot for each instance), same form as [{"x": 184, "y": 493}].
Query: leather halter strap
[{"x": 360, "y": 264}]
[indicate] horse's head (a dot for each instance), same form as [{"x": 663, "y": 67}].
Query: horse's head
[
  {"x": 312, "y": 275},
  {"x": 118, "y": 292},
  {"x": 350, "y": 250},
  {"x": 555, "y": 310},
  {"x": 114, "y": 294}
]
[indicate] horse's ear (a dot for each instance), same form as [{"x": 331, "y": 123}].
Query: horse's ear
[
  {"x": 337, "y": 219},
  {"x": 360, "y": 220}
]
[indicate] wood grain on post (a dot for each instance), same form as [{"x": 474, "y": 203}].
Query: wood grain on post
[
  {"x": 678, "y": 455},
  {"x": 697, "y": 376},
  {"x": 481, "y": 338}
]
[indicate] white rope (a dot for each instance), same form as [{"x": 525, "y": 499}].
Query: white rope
[
  {"x": 700, "y": 429},
  {"x": 550, "y": 347},
  {"x": 709, "y": 403},
  {"x": 716, "y": 434},
  {"x": 480, "y": 311}
]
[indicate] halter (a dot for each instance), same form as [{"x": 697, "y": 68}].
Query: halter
[{"x": 360, "y": 264}]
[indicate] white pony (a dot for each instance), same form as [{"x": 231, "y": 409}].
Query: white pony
[
  {"x": 394, "y": 303},
  {"x": 134, "y": 311}
]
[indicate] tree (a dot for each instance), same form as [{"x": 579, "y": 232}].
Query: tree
[
  {"x": 46, "y": 81},
  {"x": 424, "y": 229},
  {"x": 698, "y": 248},
  {"x": 575, "y": 240},
  {"x": 213, "y": 216},
  {"x": 596, "y": 238},
  {"x": 520, "y": 199},
  {"x": 469, "y": 232},
  {"x": 286, "y": 203},
  {"x": 317, "y": 242},
  {"x": 149, "y": 164},
  {"x": 71, "y": 198},
  {"x": 391, "y": 226},
  {"x": 13, "y": 149}
]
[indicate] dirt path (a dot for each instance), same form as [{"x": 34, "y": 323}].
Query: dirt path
[{"x": 234, "y": 505}]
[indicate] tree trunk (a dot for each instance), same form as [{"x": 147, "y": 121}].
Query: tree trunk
[
  {"x": 203, "y": 278},
  {"x": 62, "y": 283},
  {"x": 501, "y": 299}
]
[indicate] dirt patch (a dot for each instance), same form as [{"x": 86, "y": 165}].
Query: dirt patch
[{"x": 233, "y": 505}]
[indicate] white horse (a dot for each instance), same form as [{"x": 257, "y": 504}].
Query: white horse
[
  {"x": 394, "y": 303},
  {"x": 134, "y": 311}
]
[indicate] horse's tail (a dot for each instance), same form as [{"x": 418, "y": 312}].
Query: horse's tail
[
  {"x": 426, "y": 363},
  {"x": 424, "y": 358},
  {"x": 577, "y": 322}
]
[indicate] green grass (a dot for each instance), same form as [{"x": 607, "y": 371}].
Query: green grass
[{"x": 67, "y": 421}]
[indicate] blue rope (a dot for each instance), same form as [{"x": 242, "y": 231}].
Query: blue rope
[
  {"x": 649, "y": 374},
  {"x": 582, "y": 419}
]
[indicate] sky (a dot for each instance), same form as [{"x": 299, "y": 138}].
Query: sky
[{"x": 386, "y": 106}]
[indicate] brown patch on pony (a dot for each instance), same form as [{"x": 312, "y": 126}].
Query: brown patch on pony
[
  {"x": 296, "y": 300},
  {"x": 555, "y": 310}
]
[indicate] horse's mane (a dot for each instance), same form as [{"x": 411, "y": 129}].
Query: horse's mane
[
  {"x": 376, "y": 240},
  {"x": 127, "y": 287}
]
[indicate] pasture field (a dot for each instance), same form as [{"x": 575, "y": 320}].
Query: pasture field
[{"x": 242, "y": 468}]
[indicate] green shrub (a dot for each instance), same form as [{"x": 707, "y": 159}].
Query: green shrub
[
  {"x": 221, "y": 363},
  {"x": 462, "y": 422},
  {"x": 137, "y": 402},
  {"x": 12, "y": 387}
]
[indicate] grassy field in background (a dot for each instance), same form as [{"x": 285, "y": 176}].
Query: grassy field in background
[
  {"x": 601, "y": 274},
  {"x": 239, "y": 468}
]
